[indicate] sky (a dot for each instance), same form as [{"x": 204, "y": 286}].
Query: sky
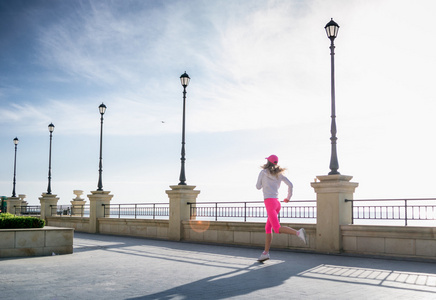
[{"x": 260, "y": 85}]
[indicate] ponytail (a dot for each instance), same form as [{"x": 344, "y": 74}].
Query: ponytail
[{"x": 273, "y": 169}]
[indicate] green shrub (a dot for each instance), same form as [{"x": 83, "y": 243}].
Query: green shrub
[
  {"x": 6, "y": 215},
  {"x": 8, "y": 221}
]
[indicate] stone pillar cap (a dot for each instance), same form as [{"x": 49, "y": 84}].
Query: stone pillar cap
[
  {"x": 100, "y": 192},
  {"x": 182, "y": 187},
  {"x": 337, "y": 177}
]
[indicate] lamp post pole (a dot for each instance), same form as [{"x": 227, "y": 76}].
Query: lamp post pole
[
  {"x": 50, "y": 129},
  {"x": 102, "y": 109},
  {"x": 332, "y": 31},
  {"x": 15, "y": 167},
  {"x": 184, "y": 79}
]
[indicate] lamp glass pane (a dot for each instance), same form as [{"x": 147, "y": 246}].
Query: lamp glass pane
[
  {"x": 184, "y": 80},
  {"x": 332, "y": 31}
]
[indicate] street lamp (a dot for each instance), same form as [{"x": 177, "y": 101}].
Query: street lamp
[
  {"x": 102, "y": 109},
  {"x": 332, "y": 31},
  {"x": 51, "y": 128},
  {"x": 184, "y": 79},
  {"x": 15, "y": 166}
]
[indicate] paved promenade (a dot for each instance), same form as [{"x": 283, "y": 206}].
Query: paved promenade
[{"x": 112, "y": 267}]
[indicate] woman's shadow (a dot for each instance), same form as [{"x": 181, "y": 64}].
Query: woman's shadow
[{"x": 256, "y": 277}]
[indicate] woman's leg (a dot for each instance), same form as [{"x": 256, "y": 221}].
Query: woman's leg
[
  {"x": 272, "y": 207},
  {"x": 300, "y": 233},
  {"x": 268, "y": 226},
  {"x": 268, "y": 240},
  {"x": 288, "y": 230},
  {"x": 282, "y": 229},
  {"x": 268, "y": 235},
  {"x": 285, "y": 229}
]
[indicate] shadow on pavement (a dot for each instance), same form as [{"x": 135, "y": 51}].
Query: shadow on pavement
[
  {"x": 238, "y": 282},
  {"x": 226, "y": 271}
]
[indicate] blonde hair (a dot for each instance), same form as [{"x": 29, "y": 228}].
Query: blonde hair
[{"x": 273, "y": 169}]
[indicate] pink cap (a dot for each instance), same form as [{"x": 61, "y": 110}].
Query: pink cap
[{"x": 273, "y": 159}]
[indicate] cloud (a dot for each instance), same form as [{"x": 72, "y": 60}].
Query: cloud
[
  {"x": 99, "y": 43},
  {"x": 242, "y": 64},
  {"x": 249, "y": 63}
]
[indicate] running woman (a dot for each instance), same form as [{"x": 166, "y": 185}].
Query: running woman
[{"x": 269, "y": 181}]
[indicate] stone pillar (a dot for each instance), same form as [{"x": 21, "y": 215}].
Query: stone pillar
[
  {"x": 49, "y": 203},
  {"x": 332, "y": 210},
  {"x": 13, "y": 204},
  {"x": 96, "y": 208},
  {"x": 78, "y": 204},
  {"x": 179, "y": 196}
]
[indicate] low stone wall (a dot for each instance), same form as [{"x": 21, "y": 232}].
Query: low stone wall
[
  {"x": 235, "y": 233},
  {"x": 36, "y": 241},
  {"x": 78, "y": 223},
  {"x": 135, "y": 227},
  {"x": 247, "y": 234},
  {"x": 397, "y": 241}
]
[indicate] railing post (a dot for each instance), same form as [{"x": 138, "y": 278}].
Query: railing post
[
  {"x": 405, "y": 211},
  {"x": 245, "y": 211},
  {"x": 216, "y": 211},
  {"x": 190, "y": 210},
  {"x": 352, "y": 210}
]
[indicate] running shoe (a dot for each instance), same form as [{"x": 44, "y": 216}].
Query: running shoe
[
  {"x": 263, "y": 257},
  {"x": 302, "y": 235}
]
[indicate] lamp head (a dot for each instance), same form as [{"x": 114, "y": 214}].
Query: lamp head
[
  {"x": 51, "y": 127},
  {"x": 184, "y": 79},
  {"x": 16, "y": 141},
  {"x": 332, "y": 29},
  {"x": 102, "y": 109}
]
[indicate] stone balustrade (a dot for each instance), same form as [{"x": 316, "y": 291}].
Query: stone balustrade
[{"x": 332, "y": 233}]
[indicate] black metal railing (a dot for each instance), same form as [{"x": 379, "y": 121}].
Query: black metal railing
[
  {"x": 138, "y": 210},
  {"x": 382, "y": 211},
  {"x": 28, "y": 210},
  {"x": 296, "y": 209},
  {"x": 419, "y": 209},
  {"x": 70, "y": 210}
]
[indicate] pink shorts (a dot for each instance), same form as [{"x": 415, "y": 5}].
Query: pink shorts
[{"x": 273, "y": 207}]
